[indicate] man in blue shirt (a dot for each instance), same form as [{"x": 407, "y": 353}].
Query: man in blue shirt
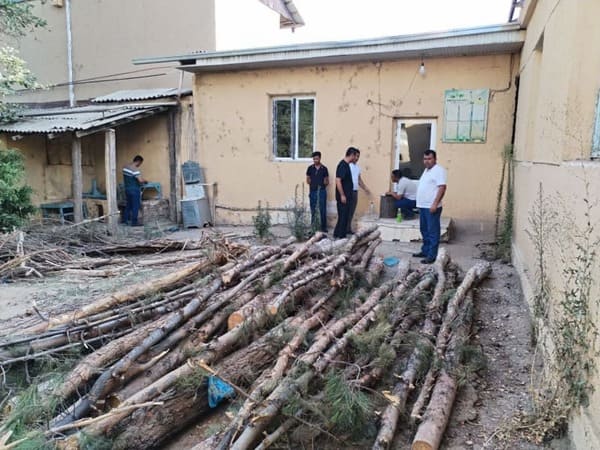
[
  {"x": 132, "y": 179},
  {"x": 317, "y": 177}
]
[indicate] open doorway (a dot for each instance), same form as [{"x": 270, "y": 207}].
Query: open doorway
[{"x": 411, "y": 138}]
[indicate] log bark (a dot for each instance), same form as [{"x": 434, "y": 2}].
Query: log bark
[
  {"x": 92, "y": 364},
  {"x": 473, "y": 277},
  {"x": 214, "y": 350},
  {"x": 128, "y": 294},
  {"x": 112, "y": 377},
  {"x": 233, "y": 274},
  {"x": 298, "y": 380},
  {"x": 431, "y": 430},
  {"x": 417, "y": 360},
  {"x": 149, "y": 428},
  {"x": 268, "y": 381},
  {"x": 179, "y": 354},
  {"x": 300, "y": 252}
]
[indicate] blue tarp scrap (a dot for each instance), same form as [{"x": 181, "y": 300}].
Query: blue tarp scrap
[{"x": 218, "y": 390}]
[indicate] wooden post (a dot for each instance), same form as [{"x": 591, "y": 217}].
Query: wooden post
[
  {"x": 77, "y": 180},
  {"x": 110, "y": 166},
  {"x": 172, "y": 127}
]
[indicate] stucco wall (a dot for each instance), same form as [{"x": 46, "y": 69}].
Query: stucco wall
[
  {"x": 107, "y": 35},
  {"x": 559, "y": 86},
  {"x": 356, "y": 104}
]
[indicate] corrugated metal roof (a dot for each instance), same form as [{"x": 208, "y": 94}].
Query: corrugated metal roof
[
  {"x": 140, "y": 94},
  {"x": 505, "y": 38},
  {"x": 81, "y": 119}
]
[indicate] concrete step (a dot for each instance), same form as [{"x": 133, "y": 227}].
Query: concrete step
[{"x": 405, "y": 231}]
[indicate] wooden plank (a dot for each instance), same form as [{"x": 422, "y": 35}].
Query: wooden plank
[
  {"x": 110, "y": 162},
  {"x": 77, "y": 180}
]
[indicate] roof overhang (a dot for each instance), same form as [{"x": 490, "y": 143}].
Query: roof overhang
[
  {"x": 499, "y": 39},
  {"x": 83, "y": 120}
]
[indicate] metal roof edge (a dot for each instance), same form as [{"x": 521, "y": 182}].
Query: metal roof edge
[
  {"x": 452, "y": 46},
  {"x": 335, "y": 45}
]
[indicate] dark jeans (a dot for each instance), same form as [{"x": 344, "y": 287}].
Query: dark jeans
[
  {"x": 343, "y": 211},
  {"x": 352, "y": 202},
  {"x": 132, "y": 207},
  {"x": 430, "y": 230},
  {"x": 318, "y": 197},
  {"x": 406, "y": 207}
]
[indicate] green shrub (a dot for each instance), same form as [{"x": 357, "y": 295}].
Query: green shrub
[{"x": 15, "y": 197}]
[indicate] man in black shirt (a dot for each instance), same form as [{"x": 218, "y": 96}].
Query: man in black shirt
[
  {"x": 317, "y": 177},
  {"x": 343, "y": 192}
]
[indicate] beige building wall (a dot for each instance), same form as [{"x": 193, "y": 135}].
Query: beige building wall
[
  {"x": 356, "y": 104},
  {"x": 107, "y": 35},
  {"x": 48, "y": 161},
  {"x": 559, "y": 88}
]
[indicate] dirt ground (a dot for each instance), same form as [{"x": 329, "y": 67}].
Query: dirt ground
[{"x": 484, "y": 404}]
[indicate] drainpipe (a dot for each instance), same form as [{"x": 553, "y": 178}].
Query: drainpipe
[{"x": 70, "y": 53}]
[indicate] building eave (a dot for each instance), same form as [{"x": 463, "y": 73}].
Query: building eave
[{"x": 506, "y": 38}]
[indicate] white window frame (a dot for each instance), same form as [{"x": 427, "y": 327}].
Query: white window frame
[
  {"x": 295, "y": 112},
  {"x": 407, "y": 122}
]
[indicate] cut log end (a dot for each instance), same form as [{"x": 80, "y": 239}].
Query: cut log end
[
  {"x": 234, "y": 320},
  {"x": 421, "y": 445}
]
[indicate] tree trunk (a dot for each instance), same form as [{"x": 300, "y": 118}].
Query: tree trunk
[
  {"x": 128, "y": 294},
  {"x": 431, "y": 430},
  {"x": 473, "y": 277},
  {"x": 148, "y": 428},
  {"x": 269, "y": 380},
  {"x": 112, "y": 377}
]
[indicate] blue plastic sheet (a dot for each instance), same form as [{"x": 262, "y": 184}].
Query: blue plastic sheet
[{"x": 218, "y": 390}]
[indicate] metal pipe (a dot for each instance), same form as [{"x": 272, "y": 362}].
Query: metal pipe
[{"x": 70, "y": 53}]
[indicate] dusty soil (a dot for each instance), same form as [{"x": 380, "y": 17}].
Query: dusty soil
[{"x": 486, "y": 402}]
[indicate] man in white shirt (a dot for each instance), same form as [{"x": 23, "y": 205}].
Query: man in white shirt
[
  {"x": 405, "y": 192},
  {"x": 356, "y": 183},
  {"x": 431, "y": 190}
]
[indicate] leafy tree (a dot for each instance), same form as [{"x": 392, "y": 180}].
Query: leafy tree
[
  {"x": 15, "y": 198},
  {"x": 16, "y": 19}
]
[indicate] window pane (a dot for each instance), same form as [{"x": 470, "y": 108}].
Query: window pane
[
  {"x": 283, "y": 128},
  {"x": 306, "y": 116}
]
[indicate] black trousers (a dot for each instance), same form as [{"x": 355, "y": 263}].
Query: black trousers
[
  {"x": 353, "y": 202},
  {"x": 341, "y": 227}
]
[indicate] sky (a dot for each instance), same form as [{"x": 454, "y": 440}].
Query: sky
[{"x": 254, "y": 25}]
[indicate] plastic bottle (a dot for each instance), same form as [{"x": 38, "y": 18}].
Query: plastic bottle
[{"x": 399, "y": 217}]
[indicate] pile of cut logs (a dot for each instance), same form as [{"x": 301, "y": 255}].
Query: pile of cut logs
[{"x": 266, "y": 326}]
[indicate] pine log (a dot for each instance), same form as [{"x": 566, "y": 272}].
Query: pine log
[
  {"x": 233, "y": 274},
  {"x": 298, "y": 380},
  {"x": 431, "y": 430},
  {"x": 128, "y": 294},
  {"x": 178, "y": 355},
  {"x": 212, "y": 351},
  {"x": 92, "y": 364},
  {"x": 303, "y": 250},
  {"x": 366, "y": 257},
  {"x": 149, "y": 428},
  {"x": 277, "y": 304},
  {"x": 474, "y": 276},
  {"x": 268, "y": 380},
  {"x": 374, "y": 270},
  {"x": 112, "y": 377},
  {"x": 417, "y": 360}
]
